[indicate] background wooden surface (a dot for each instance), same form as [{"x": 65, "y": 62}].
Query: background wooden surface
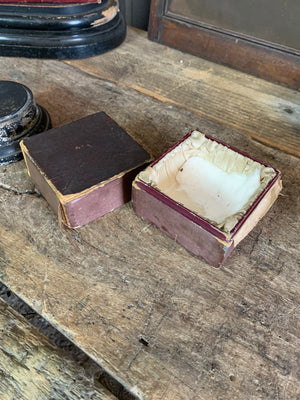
[
  {"x": 265, "y": 112},
  {"x": 136, "y": 12},
  {"x": 162, "y": 322},
  {"x": 219, "y": 34}
]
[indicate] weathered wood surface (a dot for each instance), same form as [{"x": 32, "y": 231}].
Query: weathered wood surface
[
  {"x": 264, "y": 111},
  {"x": 31, "y": 368},
  {"x": 161, "y": 321}
]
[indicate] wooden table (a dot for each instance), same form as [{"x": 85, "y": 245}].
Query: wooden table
[
  {"x": 32, "y": 368},
  {"x": 160, "y": 321}
]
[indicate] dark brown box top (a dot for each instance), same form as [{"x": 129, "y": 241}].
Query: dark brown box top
[{"x": 84, "y": 153}]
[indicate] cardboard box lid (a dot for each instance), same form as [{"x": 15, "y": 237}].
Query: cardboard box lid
[{"x": 84, "y": 153}]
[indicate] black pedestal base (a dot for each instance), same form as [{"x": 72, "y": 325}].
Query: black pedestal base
[
  {"x": 60, "y": 31},
  {"x": 20, "y": 117}
]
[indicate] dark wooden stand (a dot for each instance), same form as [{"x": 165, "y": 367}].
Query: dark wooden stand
[{"x": 59, "y": 30}]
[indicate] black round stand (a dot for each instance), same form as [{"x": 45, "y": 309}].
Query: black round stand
[
  {"x": 20, "y": 116},
  {"x": 60, "y": 31}
]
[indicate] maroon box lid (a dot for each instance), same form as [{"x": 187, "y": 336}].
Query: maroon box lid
[
  {"x": 85, "y": 152},
  {"x": 84, "y": 169}
]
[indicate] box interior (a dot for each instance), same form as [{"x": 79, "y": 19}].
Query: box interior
[{"x": 210, "y": 179}]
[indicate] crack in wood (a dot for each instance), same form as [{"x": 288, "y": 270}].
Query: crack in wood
[
  {"x": 109, "y": 381},
  {"x": 135, "y": 356},
  {"x": 34, "y": 192}
]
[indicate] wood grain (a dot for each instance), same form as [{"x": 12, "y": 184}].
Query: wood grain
[
  {"x": 31, "y": 368},
  {"x": 162, "y": 322},
  {"x": 264, "y": 111}
]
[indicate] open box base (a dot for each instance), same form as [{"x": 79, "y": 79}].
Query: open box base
[{"x": 205, "y": 238}]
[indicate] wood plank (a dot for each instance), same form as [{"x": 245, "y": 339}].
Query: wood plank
[
  {"x": 164, "y": 323},
  {"x": 264, "y": 111},
  {"x": 32, "y": 368}
]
